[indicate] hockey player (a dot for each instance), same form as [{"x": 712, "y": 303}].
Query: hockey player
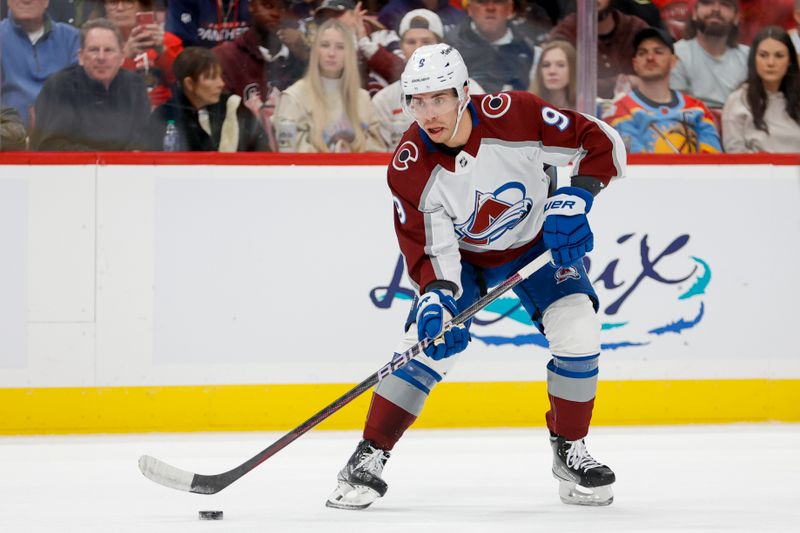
[{"x": 473, "y": 205}]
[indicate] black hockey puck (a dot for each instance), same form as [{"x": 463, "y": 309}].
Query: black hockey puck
[{"x": 210, "y": 515}]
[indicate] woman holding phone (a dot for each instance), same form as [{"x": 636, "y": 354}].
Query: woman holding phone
[{"x": 148, "y": 49}]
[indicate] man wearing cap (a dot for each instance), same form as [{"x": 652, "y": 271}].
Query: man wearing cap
[
  {"x": 498, "y": 54},
  {"x": 95, "y": 105},
  {"x": 418, "y": 27},
  {"x": 711, "y": 63},
  {"x": 379, "y": 55},
  {"x": 654, "y": 118},
  {"x": 393, "y": 12}
]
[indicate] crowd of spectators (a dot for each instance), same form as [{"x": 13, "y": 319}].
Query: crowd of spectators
[{"x": 673, "y": 76}]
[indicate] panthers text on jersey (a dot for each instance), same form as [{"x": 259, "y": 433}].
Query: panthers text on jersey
[{"x": 485, "y": 203}]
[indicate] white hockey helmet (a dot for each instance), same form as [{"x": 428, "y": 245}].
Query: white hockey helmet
[
  {"x": 432, "y": 68},
  {"x": 435, "y": 67}
]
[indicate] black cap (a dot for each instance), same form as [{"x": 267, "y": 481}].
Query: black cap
[
  {"x": 336, "y": 5},
  {"x": 653, "y": 33}
]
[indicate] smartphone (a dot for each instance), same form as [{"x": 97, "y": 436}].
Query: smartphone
[{"x": 143, "y": 18}]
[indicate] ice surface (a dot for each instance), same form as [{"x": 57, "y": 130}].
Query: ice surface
[{"x": 670, "y": 479}]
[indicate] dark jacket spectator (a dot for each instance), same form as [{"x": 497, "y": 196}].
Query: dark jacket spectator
[
  {"x": 497, "y": 55},
  {"x": 94, "y": 105},
  {"x": 25, "y": 65},
  {"x": 616, "y": 31},
  {"x": 257, "y": 61},
  {"x": 207, "y": 23},
  {"x": 206, "y": 118},
  {"x": 12, "y": 130},
  {"x": 392, "y": 13},
  {"x": 192, "y": 137}
]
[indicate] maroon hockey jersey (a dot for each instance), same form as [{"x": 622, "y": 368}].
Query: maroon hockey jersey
[{"x": 485, "y": 203}]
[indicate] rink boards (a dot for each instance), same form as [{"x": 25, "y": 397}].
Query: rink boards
[{"x": 164, "y": 293}]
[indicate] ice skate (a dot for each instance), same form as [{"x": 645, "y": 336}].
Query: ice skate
[
  {"x": 360, "y": 481},
  {"x": 581, "y": 479}
]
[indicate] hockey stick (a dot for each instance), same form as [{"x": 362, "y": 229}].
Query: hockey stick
[{"x": 178, "y": 479}]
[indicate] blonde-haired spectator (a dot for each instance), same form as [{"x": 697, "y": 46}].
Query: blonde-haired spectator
[
  {"x": 554, "y": 79},
  {"x": 327, "y": 110}
]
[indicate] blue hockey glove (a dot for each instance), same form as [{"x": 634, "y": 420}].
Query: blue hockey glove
[
  {"x": 434, "y": 309},
  {"x": 566, "y": 230}
]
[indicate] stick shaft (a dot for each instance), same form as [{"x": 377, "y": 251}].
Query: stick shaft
[{"x": 210, "y": 484}]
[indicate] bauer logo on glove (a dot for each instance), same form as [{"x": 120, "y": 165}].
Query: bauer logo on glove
[{"x": 566, "y": 229}]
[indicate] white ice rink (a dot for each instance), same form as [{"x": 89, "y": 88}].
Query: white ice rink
[{"x": 698, "y": 478}]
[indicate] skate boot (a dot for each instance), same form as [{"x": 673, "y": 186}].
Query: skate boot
[
  {"x": 581, "y": 479},
  {"x": 360, "y": 481}
]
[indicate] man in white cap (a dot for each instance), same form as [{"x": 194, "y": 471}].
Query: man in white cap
[{"x": 419, "y": 27}]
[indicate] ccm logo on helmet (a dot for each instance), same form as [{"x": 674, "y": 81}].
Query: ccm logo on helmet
[
  {"x": 407, "y": 151},
  {"x": 496, "y": 105}
]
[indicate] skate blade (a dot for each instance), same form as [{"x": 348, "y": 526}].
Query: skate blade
[
  {"x": 351, "y": 497},
  {"x": 573, "y": 494}
]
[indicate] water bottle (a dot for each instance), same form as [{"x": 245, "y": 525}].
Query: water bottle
[
  {"x": 287, "y": 136},
  {"x": 171, "y": 137}
]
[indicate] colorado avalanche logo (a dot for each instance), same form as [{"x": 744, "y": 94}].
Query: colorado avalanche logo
[
  {"x": 495, "y": 213},
  {"x": 407, "y": 151},
  {"x": 496, "y": 105},
  {"x": 565, "y": 273}
]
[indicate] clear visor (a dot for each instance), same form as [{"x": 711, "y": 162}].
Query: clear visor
[{"x": 424, "y": 106}]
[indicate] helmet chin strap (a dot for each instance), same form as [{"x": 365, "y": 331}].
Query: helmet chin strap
[{"x": 461, "y": 107}]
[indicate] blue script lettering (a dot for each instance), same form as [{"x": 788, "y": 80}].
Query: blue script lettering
[
  {"x": 607, "y": 277},
  {"x": 648, "y": 270},
  {"x": 392, "y": 290}
]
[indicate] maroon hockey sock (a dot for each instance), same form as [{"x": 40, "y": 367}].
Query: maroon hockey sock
[
  {"x": 386, "y": 422},
  {"x": 569, "y": 419}
]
